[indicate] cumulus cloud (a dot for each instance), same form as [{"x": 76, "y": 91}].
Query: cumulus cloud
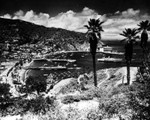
[
  {"x": 8, "y": 16},
  {"x": 130, "y": 13},
  {"x": 31, "y": 16},
  {"x": 69, "y": 20},
  {"x": 75, "y": 21},
  {"x": 121, "y": 20}
]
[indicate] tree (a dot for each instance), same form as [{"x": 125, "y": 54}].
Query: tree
[
  {"x": 139, "y": 95},
  {"x": 130, "y": 37},
  {"x": 37, "y": 84},
  {"x": 5, "y": 97},
  {"x": 144, "y": 26},
  {"x": 94, "y": 34},
  {"x": 4, "y": 91}
]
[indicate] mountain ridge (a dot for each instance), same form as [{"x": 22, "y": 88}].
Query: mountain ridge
[{"x": 25, "y": 32}]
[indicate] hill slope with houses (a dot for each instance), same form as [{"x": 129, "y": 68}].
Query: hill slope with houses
[{"x": 18, "y": 32}]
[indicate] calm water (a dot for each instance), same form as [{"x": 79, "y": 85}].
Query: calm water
[{"x": 83, "y": 60}]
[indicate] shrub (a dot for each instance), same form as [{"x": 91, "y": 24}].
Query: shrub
[
  {"x": 116, "y": 105},
  {"x": 139, "y": 100},
  {"x": 72, "y": 87},
  {"x": 5, "y": 95},
  {"x": 132, "y": 101},
  {"x": 94, "y": 115},
  {"x": 38, "y": 84},
  {"x": 70, "y": 99},
  {"x": 36, "y": 106},
  {"x": 94, "y": 92},
  {"x": 86, "y": 95},
  {"x": 4, "y": 91}
]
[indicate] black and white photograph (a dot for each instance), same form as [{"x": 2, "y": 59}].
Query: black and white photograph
[{"x": 74, "y": 59}]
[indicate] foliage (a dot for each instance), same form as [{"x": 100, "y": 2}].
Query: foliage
[
  {"x": 4, "y": 90},
  {"x": 115, "y": 102},
  {"x": 39, "y": 105},
  {"x": 5, "y": 97},
  {"x": 94, "y": 25},
  {"x": 85, "y": 95},
  {"x": 94, "y": 115},
  {"x": 24, "y": 32},
  {"x": 37, "y": 84},
  {"x": 130, "y": 34},
  {"x": 144, "y": 25},
  {"x": 94, "y": 34},
  {"x": 70, "y": 99},
  {"x": 70, "y": 88},
  {"x": 130, "y": 37},
  {"x": 131, "y": 101},
  {"x": 56, "y": 114},
  {"x": 140, "y": 98},
  {"x": 36, "y": 106}
]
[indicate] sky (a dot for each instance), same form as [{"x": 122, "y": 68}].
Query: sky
[{"x": 74, "y": 14}]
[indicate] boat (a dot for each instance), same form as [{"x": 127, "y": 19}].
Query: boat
[
  {"x": 110, "y": 60},
  {"x": 47, "y": 68}
]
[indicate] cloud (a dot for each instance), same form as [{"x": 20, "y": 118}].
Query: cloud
[
  {"x": 74, "y": 21},
  {"x": 69, "y": 20},
  {"x": 130, "y": 13},
  {"x": 8, "y": 16},
  {"x": 118, "y": 21},
  {"x": 31, "y": 16}
]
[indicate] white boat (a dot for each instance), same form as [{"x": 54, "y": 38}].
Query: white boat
[{"x": 110, "y": 60}]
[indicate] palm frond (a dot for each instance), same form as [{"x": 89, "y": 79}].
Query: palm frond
[
  {"x": 87, "y": 26},
  {"x": 144, "y": 25},
  {"x": 122, "y": 34},
  {"x": 94, "y": 25},
  {"x": 130, "y": 34},
  {"x": 137, "y": 37},
  {"x": 123, "y": 40}
]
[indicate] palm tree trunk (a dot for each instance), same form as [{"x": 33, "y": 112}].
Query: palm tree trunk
[
  {"x": 128, "y": 73},
  {"x": 94, "y": 70}
]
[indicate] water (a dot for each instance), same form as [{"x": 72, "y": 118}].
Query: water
[{"x": 83, "y": 60}]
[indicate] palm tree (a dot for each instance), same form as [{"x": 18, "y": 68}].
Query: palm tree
[
  {"x": 144, "y": 26},
  {"x": 94, "y": 34},
  {"x": 130, "y": 37}
]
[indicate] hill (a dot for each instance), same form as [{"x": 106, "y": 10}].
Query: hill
[{"x": 21, "y": 32}]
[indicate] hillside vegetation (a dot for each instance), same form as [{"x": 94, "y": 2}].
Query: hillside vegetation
[{"x": 18, "y": 32}]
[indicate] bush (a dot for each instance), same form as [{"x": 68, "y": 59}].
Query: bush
[
  {"x": 70, "y": 99},
  {"x": 94, "y": 92},
  {"x": 5, "y": 95},
  {"x": 4, "y": 91},
  {"x": 94, "y": 115},
  {"x": 86, "y": 95},
  {"x": 38, "y": 84},
  {"x": 36, "y": 106},
  {"x": 72, "y": 87},
  {"x": 139, "y": 100},
  {"x": 116, "y": 105},
  {"x": 132, "y": 101}
]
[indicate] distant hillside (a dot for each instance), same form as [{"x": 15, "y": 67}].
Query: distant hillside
[{"x": 20, "y": 32}]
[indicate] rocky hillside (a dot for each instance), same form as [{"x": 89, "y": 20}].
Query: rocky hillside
[
  {"x": 20, "y": 32},
  {"x": 107, "y": 99}
]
